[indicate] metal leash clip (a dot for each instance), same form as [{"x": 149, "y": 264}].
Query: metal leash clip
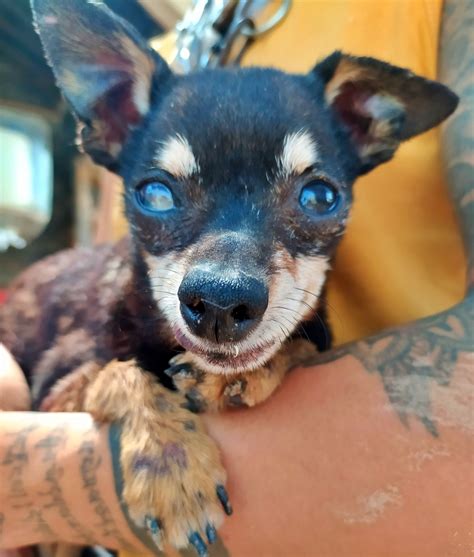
[{"x": 216, "y": 32}]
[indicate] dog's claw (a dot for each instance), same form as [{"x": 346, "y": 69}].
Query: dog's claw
[
  {"x": 174, "y": 369},
  {"x": 224, "y": 499},
  {"x": 211, "y": 533},
  {"x": 194, "y": 402},
  {"x": 198, "y": 543},
  {"x": 153, "y": 526}
]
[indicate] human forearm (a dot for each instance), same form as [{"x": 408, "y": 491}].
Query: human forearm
[
  {"x": 326, "y": 467},
  {"x": 57, "y": 482}
]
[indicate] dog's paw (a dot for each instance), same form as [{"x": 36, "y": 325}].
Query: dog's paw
[
  {"x": 202, "y": 391},
  {"x": 212, "y": 392},
  {"x": 68, "y": 394},
  {"x": 173, "y": 477}
]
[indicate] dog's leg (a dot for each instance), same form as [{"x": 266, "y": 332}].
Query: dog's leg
[
  {"x": 69, "y": 393},
  {"x": 172, "y": 475},
  {"x": 213, "y": 392}
]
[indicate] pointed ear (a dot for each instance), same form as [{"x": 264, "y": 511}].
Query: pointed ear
[
  {"x": 104, "y": 68},
  {"x": 381, "y": 105}
]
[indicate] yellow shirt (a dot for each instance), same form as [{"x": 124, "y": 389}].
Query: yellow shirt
[{"x": 402, "y": 256}]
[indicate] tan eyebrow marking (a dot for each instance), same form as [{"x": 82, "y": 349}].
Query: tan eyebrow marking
[
  {"x": 298, "y": 153},
  {"x": 176, "y": 157}
]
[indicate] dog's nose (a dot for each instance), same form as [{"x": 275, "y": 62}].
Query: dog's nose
[{"x": 222, "y": 308}]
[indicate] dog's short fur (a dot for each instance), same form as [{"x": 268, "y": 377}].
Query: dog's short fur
[{"x": 238, "y": 186}]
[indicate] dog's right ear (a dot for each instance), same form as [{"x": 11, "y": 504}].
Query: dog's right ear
[
  {"x": 104, "y": 68},
  {"x": 381, "y": 105}
]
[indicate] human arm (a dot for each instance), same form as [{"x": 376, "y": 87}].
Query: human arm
[
  {"x": 14, "y": 392},
  {"x": 48, "y": 463},
  {"x": 57, "y": 482}
]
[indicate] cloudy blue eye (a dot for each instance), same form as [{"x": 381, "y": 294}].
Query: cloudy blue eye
[
  {"x": 156, "y": 197},
  {"x": 319, "y": 197}
]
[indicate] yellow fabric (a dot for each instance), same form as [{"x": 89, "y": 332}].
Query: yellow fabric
[{"x": 402, "y": 256}]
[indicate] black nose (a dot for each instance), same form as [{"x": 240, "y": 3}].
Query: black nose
[{"x": 222, "y": 308}]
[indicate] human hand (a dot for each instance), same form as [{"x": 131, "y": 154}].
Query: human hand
[{"x": 14, "y": 392}]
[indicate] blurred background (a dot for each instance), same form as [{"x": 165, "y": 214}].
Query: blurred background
[{"x": 51, "y": 196}]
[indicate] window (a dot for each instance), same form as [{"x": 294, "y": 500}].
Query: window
[{"x": 26, "y": 177}]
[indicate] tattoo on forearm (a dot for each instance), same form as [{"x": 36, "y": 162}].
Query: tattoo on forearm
[
  {"x": 15, "y": 460},
  {"x": 90, "y": 462},
  {"x": 13, "y": 467},
  {"x": 53, "y": 497},
  {"x": 36, "y": 521},
  {"x": 410, "y": 359},
  {"x": 14, "y": 463}
]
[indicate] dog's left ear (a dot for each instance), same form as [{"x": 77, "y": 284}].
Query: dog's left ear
[
  {"x": 104, "y": 68},
  {"x": 381, "y": 105}
]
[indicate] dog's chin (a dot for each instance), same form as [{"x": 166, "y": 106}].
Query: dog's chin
[{"x": 227, "y": 359}]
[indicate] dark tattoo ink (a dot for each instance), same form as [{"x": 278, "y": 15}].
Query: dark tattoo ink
[
  {"x": 36, "y": 521},
  {"x": 15, "y": 461},
  {"x": 410, "y": 358},
  {"x": 54, "y": 497},
  {"x": 89, "y": 465}
]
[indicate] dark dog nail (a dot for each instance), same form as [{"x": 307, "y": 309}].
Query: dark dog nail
[
  {"x": 196, "y": 540},
  {"x": 152, "y": 524},
  {"x": 194, "y": 402},
  {"x": 236, "y": 401},
  {"x": 211, "y": 533},
  {"x": 173, "y": 370},
  {"x": 224, "y": 499}
]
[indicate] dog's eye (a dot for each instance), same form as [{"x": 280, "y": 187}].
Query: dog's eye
[
  {"x": 319, "y": 197},
  {"x": 155, "y": 196}
]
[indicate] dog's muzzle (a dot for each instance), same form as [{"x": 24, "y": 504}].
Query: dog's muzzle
[{"x": 222, "y": 308}]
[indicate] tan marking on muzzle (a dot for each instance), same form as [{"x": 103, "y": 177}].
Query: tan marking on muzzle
[{"x": 294, "y": 295}]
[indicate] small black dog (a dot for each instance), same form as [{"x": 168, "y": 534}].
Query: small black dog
[{"x": 238, "y": 185}]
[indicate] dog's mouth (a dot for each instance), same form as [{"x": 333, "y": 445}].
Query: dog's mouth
[
  {"x": 228, "y": 358},
  {"x": 292, "y": 295}
]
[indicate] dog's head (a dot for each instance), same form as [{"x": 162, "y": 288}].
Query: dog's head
[{"x": 238, "y": 181}]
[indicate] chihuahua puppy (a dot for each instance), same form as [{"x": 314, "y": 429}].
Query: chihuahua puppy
[{"x": 238, "y": 186}]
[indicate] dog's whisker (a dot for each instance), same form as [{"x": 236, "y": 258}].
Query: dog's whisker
[
  {"x": 169, "y": 270},
  {"x": 164, "y": 292},
  {"x": 309, "y": 306},
  {"x": 284, "y": 330},
  {"x": 307, "y": 292}
]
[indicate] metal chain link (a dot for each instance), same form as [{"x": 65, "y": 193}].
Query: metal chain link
[{"x": 216, "y": 32}]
